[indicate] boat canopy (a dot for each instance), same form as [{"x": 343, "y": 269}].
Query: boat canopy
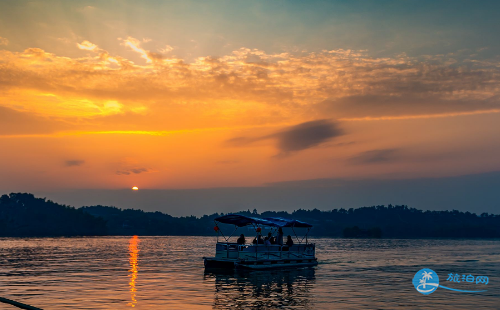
[
  {"x": 284, "y": 222},
  {"x": 241, "y": 220}
]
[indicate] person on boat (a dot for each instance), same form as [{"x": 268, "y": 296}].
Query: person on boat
[
  {"x": 267, "y": 241},
  {"x": 289, "y": 241},
  {"x": 241, "y": 239},
  {"x": 258, "y": 240},
  {"x": 279, "y": 237},
  {"x": 272, "y": 239}
]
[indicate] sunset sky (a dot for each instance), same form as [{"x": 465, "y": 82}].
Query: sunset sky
[{"x": 218, "y": 97}]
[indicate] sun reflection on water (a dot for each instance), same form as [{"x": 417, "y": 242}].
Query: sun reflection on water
[{"x": 134, "y": 255}]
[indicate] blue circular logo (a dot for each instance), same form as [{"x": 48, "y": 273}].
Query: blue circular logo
[{"x": 426, "y": 281}]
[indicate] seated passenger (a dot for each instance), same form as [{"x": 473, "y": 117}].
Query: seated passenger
[
  {"x": 272, "y": 239},
  {"x": 260, "y": 240},
  {"x": 266, "y": 241},
  {"x": 241, "y": 239},
  {"x": 289, "y": 241}
]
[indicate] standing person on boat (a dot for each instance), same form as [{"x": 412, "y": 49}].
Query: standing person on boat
[
  {"x": 241, "y": 239},
  {"x": 279, "y": 237},
  {"x": 289, "y": 241}
]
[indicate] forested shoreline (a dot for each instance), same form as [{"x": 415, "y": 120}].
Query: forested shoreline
[{"x": 24, "y": 215}]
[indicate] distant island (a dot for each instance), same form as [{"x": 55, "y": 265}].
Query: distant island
[{"x": 24, "y": 215}]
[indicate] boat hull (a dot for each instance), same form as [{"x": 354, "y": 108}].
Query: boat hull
[{"x": 214, "y": 262}]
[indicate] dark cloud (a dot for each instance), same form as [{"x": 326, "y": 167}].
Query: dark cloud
[
  {"x": 345, "y": 143},
  {"x": 376, "y": 156},
  {"x": 132, "y": 171},
  {"x": 155, "y": 56},
  {"x": 307, "y": 135},
  {"x": 74, "y": 163},
  {"x": 402, "y": 104},
  {"x": 296, "y": 138}
]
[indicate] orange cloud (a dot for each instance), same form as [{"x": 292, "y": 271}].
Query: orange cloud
[
  {"x": 245, "y": 88},
  {"x": 423, "y": 116},
  {"x": 134, "y": 44},
  {"x": 86, "y": 45}
]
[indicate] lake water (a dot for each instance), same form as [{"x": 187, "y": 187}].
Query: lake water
[{"x": 168, "y": 273}]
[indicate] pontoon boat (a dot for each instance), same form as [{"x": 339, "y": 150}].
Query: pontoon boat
[{"x": 260, "y": 256}]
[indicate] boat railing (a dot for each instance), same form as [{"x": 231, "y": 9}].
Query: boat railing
[{"x": 274, "y": 251}]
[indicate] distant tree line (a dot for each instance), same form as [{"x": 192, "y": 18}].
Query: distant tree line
[{"x": 23, "y": 215}]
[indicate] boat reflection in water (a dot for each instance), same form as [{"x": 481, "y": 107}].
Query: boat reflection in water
[
  {"x": 134, "y": 255},
  {"x": 240, "y": 289}
]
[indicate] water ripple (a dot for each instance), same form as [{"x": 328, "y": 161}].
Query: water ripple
[{"x": 167, "y": 272}]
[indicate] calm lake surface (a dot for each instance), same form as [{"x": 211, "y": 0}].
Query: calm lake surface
[{"x": 168, "y": 273}]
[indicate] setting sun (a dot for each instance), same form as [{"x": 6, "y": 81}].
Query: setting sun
[{"x": 135, "y": 188}]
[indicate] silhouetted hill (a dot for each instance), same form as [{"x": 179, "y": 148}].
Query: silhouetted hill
[
  {"x": 25, "y": 215},
  {"x": 138, "y": 222},
  {"x": 376, "y": 221}
]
